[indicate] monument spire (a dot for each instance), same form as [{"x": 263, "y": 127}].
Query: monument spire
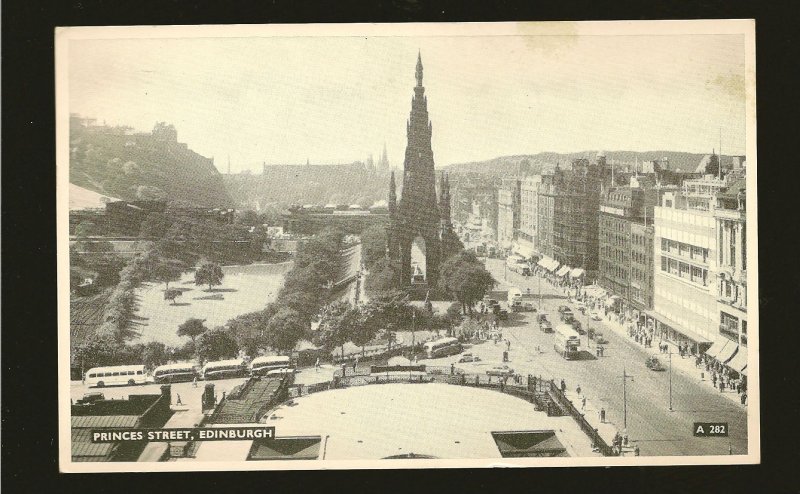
[{"x": 419, "y": 69}]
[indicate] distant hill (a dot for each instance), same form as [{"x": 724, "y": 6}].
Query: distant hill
[
  {"x": 116, "y": 162},
  {"x": 283, "y": 185},
  {"x": 544, "y": 162}
]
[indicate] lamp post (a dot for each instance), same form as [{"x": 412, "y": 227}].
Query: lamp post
[
  {"x": 670, "y": 379},
  {"x": 413, "y": 335},
  {"x": 625, "y": 378}
]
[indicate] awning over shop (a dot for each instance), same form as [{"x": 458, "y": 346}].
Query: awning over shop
[
  {"x": 692, "y": 335},
  {"x": 553, "y": 265},
  {"x": 727, "y": 352},
  {"x": 717, "y": 347},
  {"x": 542, "y": 263},
  {"x": 739, "y": 361},
  {"x": 577, "y": 273},
  {"x": 563, "y": 271}
]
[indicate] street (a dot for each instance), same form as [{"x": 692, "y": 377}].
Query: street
[{"x": 651, "y": 425}]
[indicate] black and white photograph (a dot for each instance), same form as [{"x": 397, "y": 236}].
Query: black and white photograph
[{"x": 446, "y": 245}]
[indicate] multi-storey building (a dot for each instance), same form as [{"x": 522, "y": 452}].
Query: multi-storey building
[
  {"x": 545, "y": 213},
  {"x": 508, "y": 216},
  {"x": 731, "y": 280},
  {"x": 529, "y": 216},
  {"x": 685, "y": 302},
  {"x": 626, "y": 244},
  {"x": 576, "y": 209}
]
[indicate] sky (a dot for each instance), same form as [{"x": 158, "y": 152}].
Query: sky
[{"x": 286, "y": 100}]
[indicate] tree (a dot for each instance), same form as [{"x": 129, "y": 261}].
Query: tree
[
  {"x": 209, "y": 274},
  {"x": 98, "y": 351},
  {"x": 107, "y": 267},
  {"x": 171, "y": 294},
  {"x": 285, "y": 329},
  {"x": 154, "y": 354},
  {"x": 155, "y": 225},
  {"x": 85, "y": 229},
  {"x": 337, "y": 325},
  {"x": 454, "y": 313},
  {"x": 216, "y": 344},
  {"x": 373, "y": 245},
  {"x": 363, "y": 333},
  {"x": 383, "y": 277},
  {"x": 192, "y": 328},
  {"x": 166, "y": 270},
  {"x": 465, "y": 278}
]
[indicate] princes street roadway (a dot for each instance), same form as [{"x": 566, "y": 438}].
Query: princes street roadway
[{"x": 651, "y": 425}]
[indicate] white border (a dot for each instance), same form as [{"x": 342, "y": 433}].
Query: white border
[{"x": 589, "y": 28}]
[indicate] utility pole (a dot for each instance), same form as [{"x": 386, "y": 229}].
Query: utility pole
[{"x": 625, "y": 378}]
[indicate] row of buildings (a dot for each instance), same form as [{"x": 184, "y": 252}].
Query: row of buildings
[{"x": 669, "y": 249}]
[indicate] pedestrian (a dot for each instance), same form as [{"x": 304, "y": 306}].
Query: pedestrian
[
  {"x": 563, "y": 386},
  {"x": 179, "y": 401},
  {"x": 194, "y": 382},
  {"x": 452, "y": 368},
  {"x": 578, "y": 390},
  {"x": 583, "y": 403},
  {"x": 714, "y": 379},
  {"x": 636, "y": 450},
  {"x": 602, "y": 415},
  {"x": 744, "y": 398}
]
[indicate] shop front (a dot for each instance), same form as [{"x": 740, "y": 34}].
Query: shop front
[{"x": 671, "y": 331}]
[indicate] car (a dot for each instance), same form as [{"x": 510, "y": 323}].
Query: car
[
  {"x": 596, "y": 316},
  {"x": 500, "y": 370},
  {"x": 567, "y": 317},
  {"x": 528, "y": 307},
  {"x": 564, "y": 308},
  {"x": 545, "y": 326},
  {"x": 468, "y": 357},
  {"x": 600, "y": 339},
  {"x": 576, "y": 325},
  {"x": 653, "y": 364},
  {"x": 502, "y": 314},
  {"x": 492, "y": 302}
]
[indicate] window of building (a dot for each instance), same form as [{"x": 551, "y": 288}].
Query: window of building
[
  {"x": 684, "y": 270},
  {"x": 664, "y": 264}
]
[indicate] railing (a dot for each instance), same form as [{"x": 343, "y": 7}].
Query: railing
[{"x": 585, "y": 426}]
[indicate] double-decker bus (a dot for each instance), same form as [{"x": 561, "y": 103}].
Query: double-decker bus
[
  {"x": 514, "y": 299},
  {"x": 567, "y": 341},
  {"x": 174, "y": 373},
  {"x": 442, "y": 347},
  {"x": 223, "y": 369},
  {"x": 260, "y": 366},
  {"x": 118, "y": 375}
]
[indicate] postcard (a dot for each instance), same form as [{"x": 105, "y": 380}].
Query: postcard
[{"x": 369, "y": 246}]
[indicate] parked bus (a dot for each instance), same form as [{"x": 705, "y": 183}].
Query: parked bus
[
  {"x": 262, "y": 365},
  {"x": 518, "y": 264},
  {"x": 567, "y": 342},
  {"x": 515, "y": 299},
  {"x": 223, "y": 369},
  {"x": 118, "y": 375},
  {"x": 442, "y": 347},
  {"x": 174, "y": 373}
]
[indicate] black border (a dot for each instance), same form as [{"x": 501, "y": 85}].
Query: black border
[{"x": 29, "y": 432}]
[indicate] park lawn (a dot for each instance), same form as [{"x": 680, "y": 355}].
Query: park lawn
[{"x": 244, "y": 289}]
